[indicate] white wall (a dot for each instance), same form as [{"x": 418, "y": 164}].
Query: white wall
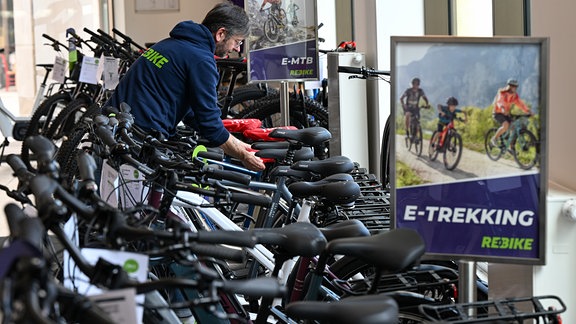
[
  {"x": 152, "y": 26},
  {"x": 557, "y": 22}
]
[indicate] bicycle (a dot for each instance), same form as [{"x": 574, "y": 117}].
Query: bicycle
[
  {"x": 449, "y": 143},
  {"x": 275, "y": 24},
  {"x": 518, "y": 140},
  {"x": 415, "y": 134}
]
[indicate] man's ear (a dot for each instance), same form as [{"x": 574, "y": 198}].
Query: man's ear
[{"x": 220, "y": 34}]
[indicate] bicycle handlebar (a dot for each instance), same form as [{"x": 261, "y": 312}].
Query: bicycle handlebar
[
  {"x": 127, "y": 39},
  {"x": 362, "y": 71},
  {"x": 55, "y": 44}
]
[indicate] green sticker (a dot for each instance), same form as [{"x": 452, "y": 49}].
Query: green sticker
[{"x": 131, "y": 266}]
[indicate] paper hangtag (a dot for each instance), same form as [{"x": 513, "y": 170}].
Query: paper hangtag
[
  {"x": 118, "y": 304},
  {"x": 110, "y": 73},
  {"x": 90, "y": 71},
  {"x": 135, "y": 264},
  {"x": 108, "y": 184},
  {"x": 59, "y": 69},
  {"x": 132, "y": 190}
]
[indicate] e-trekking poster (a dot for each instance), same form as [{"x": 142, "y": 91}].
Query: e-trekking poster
[
  {"x": 473, "y": 189},
  {"x": 282, "y": 44}
]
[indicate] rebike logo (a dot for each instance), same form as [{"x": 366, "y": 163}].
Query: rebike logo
[
  {"x": 155, "y": 57},
  {"x": 463, "y": 215}
]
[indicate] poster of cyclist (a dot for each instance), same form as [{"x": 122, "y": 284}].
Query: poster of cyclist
[
  {"x": 282, "y": 44},
  {"x": 470, "y": 145}
]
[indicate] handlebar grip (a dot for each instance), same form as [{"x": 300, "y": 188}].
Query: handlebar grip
[
  {"x": 218, "y": 174},
  {"x": 14, "y": 214},
  {"x": 252, "y": 199},
  {"x": 42, "y": 147},
  {"x": 216, "y": 156},
  {"x": 48, "y": 37},
  {"x": 17, "y": 165},
  {"x": 219, "y": 252},
  {"x": 105, "y": 135},
  {"x": 32, "y": 230},
  {"x": 127, "y": 39},
  {"x": 259, "y": 287},
  {"x": 235, "y": 238},
  {"x": 86, "y": 166},
  {"x": 350, "y": 69}
]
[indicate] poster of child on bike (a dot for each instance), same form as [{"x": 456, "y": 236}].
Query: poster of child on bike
[{"x": 469, "y": 152}]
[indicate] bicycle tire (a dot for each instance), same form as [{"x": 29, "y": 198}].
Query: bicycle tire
[
  {"x": 493, "y": 152},
  {"x": 66, "y": 155},
  {"x": 452, "y": 150},
  {"x": 40, "y": 121},
  {"x": 418, "y": 141},
  {"x": 526, "y": 149},
  {"x": 271, "y": 30},
  {"x": 303, "y": 114},
  {"x": 69, "y": 117},
  {"x": 433, "y": 146},
  {"x": 385, "y": 154},
  {"x": 244, "y": 97}
]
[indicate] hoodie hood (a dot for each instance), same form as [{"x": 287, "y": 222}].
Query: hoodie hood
[{"x": 193, "y": 32}]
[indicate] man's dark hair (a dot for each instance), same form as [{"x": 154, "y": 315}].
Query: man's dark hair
[{"x": 227, "y": 15}]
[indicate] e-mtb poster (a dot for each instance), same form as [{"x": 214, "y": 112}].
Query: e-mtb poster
[{"x": 282, "y": 45}]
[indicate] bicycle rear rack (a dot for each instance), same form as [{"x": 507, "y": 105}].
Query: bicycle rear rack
[{"x": 542, "y": 309}]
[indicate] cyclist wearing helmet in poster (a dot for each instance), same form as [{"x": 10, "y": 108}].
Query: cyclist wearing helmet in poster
[
  {"x": 446, "y": 114},
  {"x": 410, "y": 100},
  {"x": 505, "y": 99}
]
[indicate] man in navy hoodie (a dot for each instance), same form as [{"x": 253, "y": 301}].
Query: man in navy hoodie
[{"x": 175, "y": 80}]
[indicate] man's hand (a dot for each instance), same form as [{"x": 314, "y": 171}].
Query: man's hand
[{"x": 240, "y": 150}]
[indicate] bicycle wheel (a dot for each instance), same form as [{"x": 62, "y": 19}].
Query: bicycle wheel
[
  {"x": 244, "y": 97},
  {"x": 75, "y": 142},
  {"x": 453, "y": 150},
  {"x": 271, "y": 30},
  {"x": 493, "y": 152},
  {"x": 433, "y": 146},
  {"x": 67, "y": 119},
  {"x": 525, "y": 149},
  {"x": 302, "y": 114},
  {"x": 385, "y": 155},
  {"x": 417, "y": 139},
  {"x": 41, "y": 119}
]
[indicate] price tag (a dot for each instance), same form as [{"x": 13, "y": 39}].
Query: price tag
[
  {"x": 110, "y": 74},
  {"x": 59, "y": 69},
  {"x": 90, "y": 71}
]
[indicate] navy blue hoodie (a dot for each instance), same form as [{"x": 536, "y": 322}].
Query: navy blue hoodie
[{"x": 175, "y": 80}]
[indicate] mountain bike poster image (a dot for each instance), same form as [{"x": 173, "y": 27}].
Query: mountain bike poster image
[
  {"x": 471, "y": 198},
  {"x": 282, "y": 44}
]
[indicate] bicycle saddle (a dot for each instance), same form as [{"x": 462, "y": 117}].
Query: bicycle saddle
[
  {"x": 310, "y": 136},
  {"x": 296, "y": 239},
  {"x": 305, "y": 153},
  {"x": 393, "y": 251},
  {"x": 339, "y": 188},
  {"x": 270, "y": 145},
  {"x": 377, "y": 309},
  {"x": 326, "y": 167},
  {"x": 346, "y": 228}
]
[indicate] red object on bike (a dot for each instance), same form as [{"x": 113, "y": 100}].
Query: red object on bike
[
  {"x": 241, "y": 125},
  {"x": 349, "y": 46},
  {"x": 261, "y": 134}
]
